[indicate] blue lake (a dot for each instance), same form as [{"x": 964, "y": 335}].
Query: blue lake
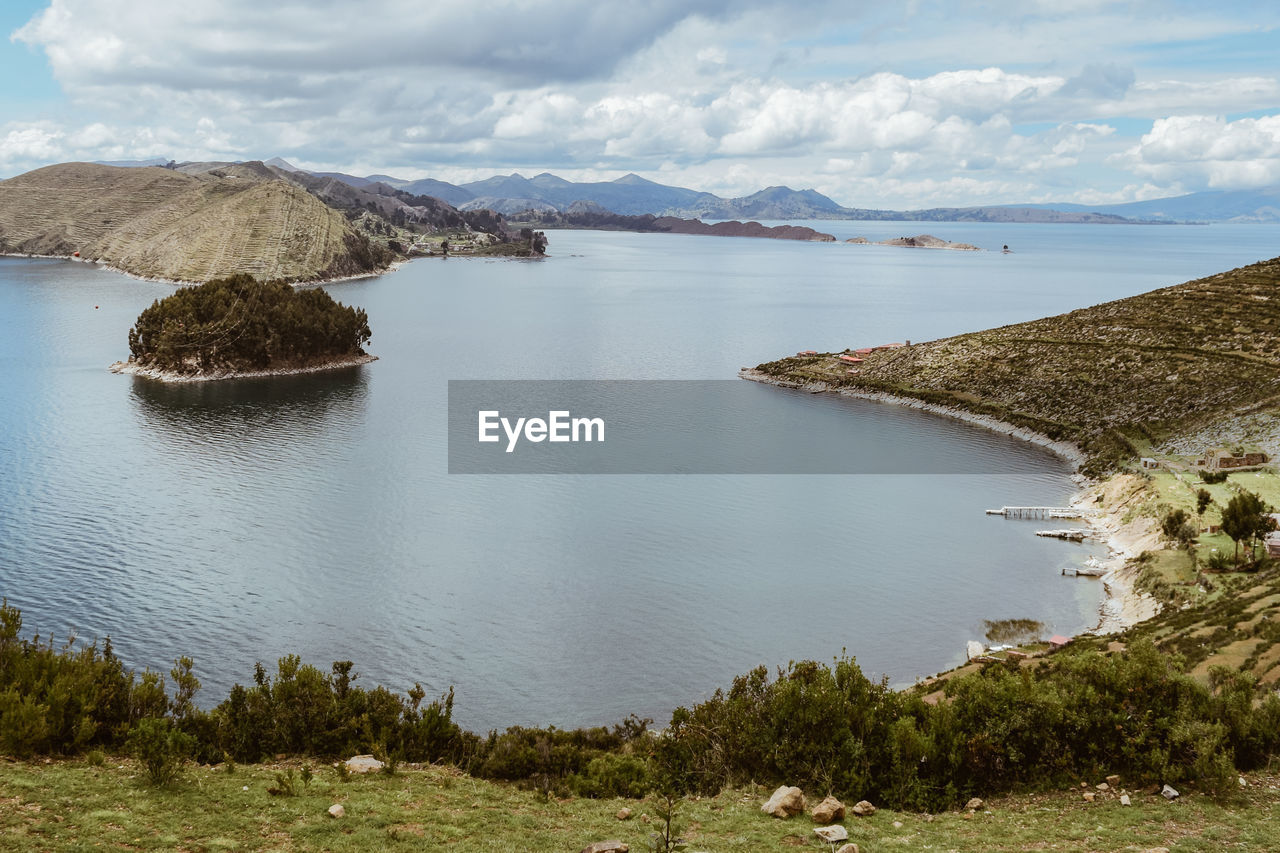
[{"x": 242, "y": 521}]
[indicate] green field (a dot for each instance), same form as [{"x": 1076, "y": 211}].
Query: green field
[{"x": 72, "y": 805}]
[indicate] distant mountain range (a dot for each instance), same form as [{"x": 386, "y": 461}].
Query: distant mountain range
[{"x": 632, "y": 195}]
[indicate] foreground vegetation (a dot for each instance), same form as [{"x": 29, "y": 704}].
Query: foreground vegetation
[
  {"x": 1112, "y": 378},
  {"x": 76, "y": 804},
  {"x": 239, "y": 323},
  {"x": 1075, "y": 714}
]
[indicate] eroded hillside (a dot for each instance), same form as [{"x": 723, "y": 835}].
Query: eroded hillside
[{"x": 165, "y": 224}]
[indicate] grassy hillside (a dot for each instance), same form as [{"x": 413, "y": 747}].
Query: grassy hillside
[
  {"x": 74, "y": 805},
  {"x": 165, "y": 224},
  {"x": 1111, "y": 378}
]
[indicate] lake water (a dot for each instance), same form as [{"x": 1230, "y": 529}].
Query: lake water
[{"x": 241, "y": 521}]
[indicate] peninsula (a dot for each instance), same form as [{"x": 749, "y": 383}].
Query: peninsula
[
  {"x": 591, "y": 216},
  {"x": 1171, "y": 401},
  {"x": 192, "y": 222},
  {"x": 1170, "y": 365}
]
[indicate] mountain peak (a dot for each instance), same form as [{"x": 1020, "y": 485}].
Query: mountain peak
[{"x": 281, "y": 163}]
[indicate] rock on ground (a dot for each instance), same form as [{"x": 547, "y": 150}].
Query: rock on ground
[
  {"x": 606, "y": 847},
  {"x": 623, "y": 814},
  {"x": 786, "y": 802},
  {"x": 363, "y": 764},
  {"x": 832, "y": 834},
  {"x": 848, "y": 848},
  {"x": 1169, "y": 792},
  {"x": 864, "y": 809},
  {"x": 830, "y": 810},
  {"x": 974, "y": 804},
  {"x": 336, "y": 810}
]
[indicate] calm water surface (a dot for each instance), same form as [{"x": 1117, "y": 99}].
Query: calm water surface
[{"x": 241, "y": 521}]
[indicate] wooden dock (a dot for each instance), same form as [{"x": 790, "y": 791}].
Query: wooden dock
[{"x": 1039, "y": 512}]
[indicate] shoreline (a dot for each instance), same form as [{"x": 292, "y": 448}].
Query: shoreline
[
  {"x": 1065, "y": 449},
  {"x": 1122, "y": 606},
  {"x": 134, "y": 369},
  {"x": 103, "y": 265}
]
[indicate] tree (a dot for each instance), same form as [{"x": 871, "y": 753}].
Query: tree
[
  {"x": 1245, "y": 519},
  {"x": 1177, "y": 526},
  {"x": 1203, "y": 499}
]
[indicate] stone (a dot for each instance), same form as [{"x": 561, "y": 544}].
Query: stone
[
  {"x": 968, "y": 815},
  {"x": 974, "y": 804},
  {"x": 336, "y": 810},
  {"x": 847, "y": 848},
  {"x": 830, "y": 810},
  {"x": 832, "y": 834},
  {"x": 1169, "y": 792},
  {"x": 863, "y": 809},
  {"x": 1156, "y": 850},
  {"x": 1113, "y": 780},
  {"x": 606, "y": 847},
  {"x": 1124, "y": 800},
  {"x": 1103, "y": 786},
  {"x": 363, "y": 764},
  {"x": 786, "y": 802},
  {"x": 897, "y": 824},
  {"x": 1243, "y": 783},
  {"x": 1088, "y": 796},
  {"x": 623, "y": 814}
]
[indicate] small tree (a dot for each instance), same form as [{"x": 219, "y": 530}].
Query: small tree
[
  {"x": 1245, "y": 519},
  {"x": 1203, "y": 499},
  {"x": 1178, "y": 528}
]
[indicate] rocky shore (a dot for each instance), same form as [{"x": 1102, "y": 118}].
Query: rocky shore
[{"x": 134, "y": 369}]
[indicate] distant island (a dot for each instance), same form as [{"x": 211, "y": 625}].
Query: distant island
[
  {"x": 239, "y": 326},
  {"x": 588, "y": 215},
  {"x": 920, "y": 241},
  {"x": 192, "y": 222}
]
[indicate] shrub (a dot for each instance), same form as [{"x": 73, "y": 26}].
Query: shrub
[
  {"x": 161, "y": 747},
  {"x": 612, "y": 775}
]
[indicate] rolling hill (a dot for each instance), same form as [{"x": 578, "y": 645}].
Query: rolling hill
[
  {"x": 192, "y": 222},
  {"x": 162, "y": 223},
  {"x": 1174, "y": 364}
]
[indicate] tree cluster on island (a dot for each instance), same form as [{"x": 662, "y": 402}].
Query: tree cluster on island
[{"x": 239, "y": 323}]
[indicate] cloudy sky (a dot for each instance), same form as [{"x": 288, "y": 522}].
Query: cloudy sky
[{"x": 905, "y": 104}]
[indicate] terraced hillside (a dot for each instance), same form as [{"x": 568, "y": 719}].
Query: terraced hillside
[
  {"x": 1109, "y": 378},
  {"x": 166, "y": 224}
]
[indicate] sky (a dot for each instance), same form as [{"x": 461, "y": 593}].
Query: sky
[{"x": 890, "y": 105}]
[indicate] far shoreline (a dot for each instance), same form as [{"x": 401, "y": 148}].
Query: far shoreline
[{"x": 103, "y": 265}]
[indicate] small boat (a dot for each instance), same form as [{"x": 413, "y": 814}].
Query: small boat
[
  {"x": 1071, "y": 535},
  {"x": 1083, "y": 572}
]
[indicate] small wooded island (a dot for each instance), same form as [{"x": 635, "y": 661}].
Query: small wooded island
[{"x": 239, "y": 326}]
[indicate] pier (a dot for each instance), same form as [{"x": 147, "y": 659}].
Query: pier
[{"x": 1039, "y": 512}]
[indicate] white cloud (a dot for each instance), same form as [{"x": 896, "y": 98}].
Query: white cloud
[
  {"x": 876, "y": 105},
  {"x": 1209, "y": 151}
]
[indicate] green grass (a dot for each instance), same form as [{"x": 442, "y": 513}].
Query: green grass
[{"x": 70, "y": 805}]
